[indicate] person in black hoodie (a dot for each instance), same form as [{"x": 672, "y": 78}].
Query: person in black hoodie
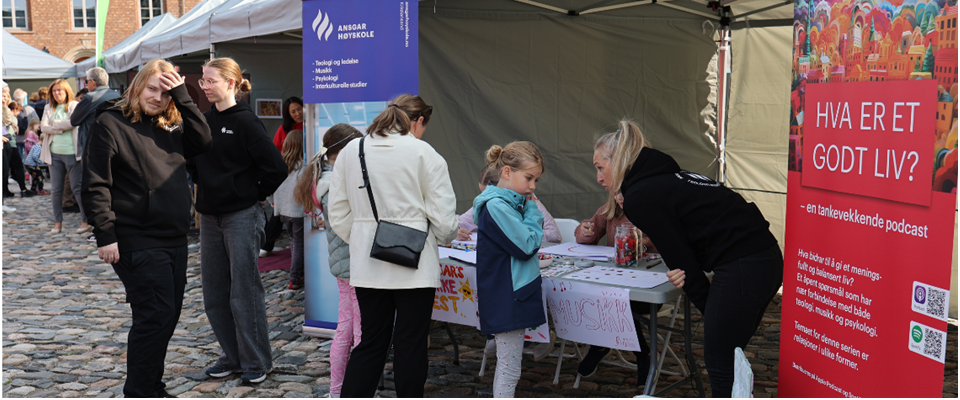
[
  {"x": 243, "y": 168},
  {"x": 134, "y": 187},
  {"x": 699, "y": 226}
]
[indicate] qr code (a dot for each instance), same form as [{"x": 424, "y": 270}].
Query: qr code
[
  {"x": 936, "y": 300},
  {"x": 933, "y": 343}
]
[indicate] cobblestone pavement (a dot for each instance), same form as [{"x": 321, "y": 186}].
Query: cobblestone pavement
[{"x": 65, "y": 328}]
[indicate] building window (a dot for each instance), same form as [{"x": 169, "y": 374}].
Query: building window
[
  {"x": 15, "y": 14},
  {"x": 150, "y": 9},
  {"x": 84, "y": 14}
]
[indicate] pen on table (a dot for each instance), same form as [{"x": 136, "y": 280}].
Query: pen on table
[{"x": 654, "y": 264}]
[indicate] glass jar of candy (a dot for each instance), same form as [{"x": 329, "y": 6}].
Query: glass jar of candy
[{"x": 629, "y": 246}]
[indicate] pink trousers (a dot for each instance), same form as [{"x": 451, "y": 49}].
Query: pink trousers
[{"x": 347, "y": 336}]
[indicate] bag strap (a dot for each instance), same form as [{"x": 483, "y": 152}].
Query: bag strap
[{"x": 366, "y": 180}]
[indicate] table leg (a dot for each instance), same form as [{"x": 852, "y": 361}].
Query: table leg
[
  {"x": 648, "y": 388},
  {"x": 456, "y": 348}
]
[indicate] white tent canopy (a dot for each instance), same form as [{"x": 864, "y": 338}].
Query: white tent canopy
[
  {"x": 118, "y": 58},
  {"x": 23, "y": 61},
  {"x": 151, "y": 47},
  {"x": 230, "y": 20}
]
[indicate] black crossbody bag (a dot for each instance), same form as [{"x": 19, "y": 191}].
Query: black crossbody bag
[{"x": 393, "y": 243}]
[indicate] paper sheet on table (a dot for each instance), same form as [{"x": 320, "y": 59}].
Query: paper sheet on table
[
  {"x": 620, "y": 277},
  {"x": 465, "y": 256},
  {"x": 572, "y": 249},
  {"x": 471, "y": 242}
]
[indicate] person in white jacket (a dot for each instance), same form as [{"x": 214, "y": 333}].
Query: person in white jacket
[
  {"x": 411, "y": 187},
  {"x": 61, "y": 151}
]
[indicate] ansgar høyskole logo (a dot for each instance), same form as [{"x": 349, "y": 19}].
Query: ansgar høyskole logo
[{"x": 322, "y": 25}]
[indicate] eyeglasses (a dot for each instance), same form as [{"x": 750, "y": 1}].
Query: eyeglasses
[{"x": 204, "y": 83}]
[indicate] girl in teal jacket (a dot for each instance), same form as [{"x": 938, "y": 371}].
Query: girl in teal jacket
[{"x": 510, "y": 299}]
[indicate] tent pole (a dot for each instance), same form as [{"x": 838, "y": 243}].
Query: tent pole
[
  {"x": 723, "y": 83},
  {"x": 213, "y": 51}
]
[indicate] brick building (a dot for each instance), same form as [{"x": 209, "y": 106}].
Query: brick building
[{"x": 67, "y": 28}]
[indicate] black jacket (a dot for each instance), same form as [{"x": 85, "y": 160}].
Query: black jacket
[
  {"x": 695, "y": 222},
  {"x": 134, "y": 186},
  {"x": 84, "y": 114},
  {"x": 244, "y": 166}
]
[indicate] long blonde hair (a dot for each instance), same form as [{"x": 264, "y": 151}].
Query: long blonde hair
[
  {"x": 130, "y": 103},
  {"x": 514, "y": 155},
  {"x": 293, "y": 150},
  {"x": 622, "y": 149}
]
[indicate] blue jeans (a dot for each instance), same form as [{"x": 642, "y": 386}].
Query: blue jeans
[
  {"x": 233, "y": 294},
  {"x": 294, "y": 226},
  {"x": 61, "y": 165}
]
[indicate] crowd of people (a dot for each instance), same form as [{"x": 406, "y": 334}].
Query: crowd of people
[{"x": 130, "y": 161}]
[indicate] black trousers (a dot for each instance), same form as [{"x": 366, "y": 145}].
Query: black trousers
[
  {"x": 12, "y": 164},
  {"x": 154, "y": 280},
  {"x": 413, "y": 309},
  {"x": 272, "y": 231},
  {"x": 739, "y": 295}
]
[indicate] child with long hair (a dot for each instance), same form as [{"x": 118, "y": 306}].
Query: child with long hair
[
  {"x": 508, "y": 272},
  {"x": 311, "y": 193},
  {"x": 291, "y": 214},
  {"x": 32, "y": 135}
]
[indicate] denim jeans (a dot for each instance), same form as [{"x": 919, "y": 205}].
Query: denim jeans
[
  {"x": 63, "y": 164},
  {"x": 233, "y": 294},
  {"x": 738, "y": 297},
  {"x": 294, "y": 226}
]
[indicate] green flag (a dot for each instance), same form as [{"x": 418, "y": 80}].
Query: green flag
[{"x": 102, "y": 7}]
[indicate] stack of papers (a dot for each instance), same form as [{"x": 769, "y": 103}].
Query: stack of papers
[
  {"x": 460, "y": 255},
  {"x": 585, "y": 251}
]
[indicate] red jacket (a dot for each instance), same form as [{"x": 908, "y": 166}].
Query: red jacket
[{"x": 282, "y": 135}]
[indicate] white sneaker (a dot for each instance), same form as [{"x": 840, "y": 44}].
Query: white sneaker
[
  {"x": 490, "y": 350},
  {"x": 264, "y": 253},
  {"x": 8, "y": 209}
]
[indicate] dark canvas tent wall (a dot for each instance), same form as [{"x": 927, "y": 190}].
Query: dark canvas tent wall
[{"x": 503, "y": 71}]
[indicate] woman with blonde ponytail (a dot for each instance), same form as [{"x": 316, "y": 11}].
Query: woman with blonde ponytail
[
  {"x": 700, "y": 226},
  {"x": 242, "y": 169}
]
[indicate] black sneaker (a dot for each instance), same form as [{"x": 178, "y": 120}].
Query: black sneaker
[
  {"x": 591, "y": 360},
  {"x": 253, "y": 377},
  {"x": 27, "y": 193},
  {"x": 217, "y": 371}
]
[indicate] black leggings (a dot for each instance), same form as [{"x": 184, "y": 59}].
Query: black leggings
[{"x": 739, "y": 295}]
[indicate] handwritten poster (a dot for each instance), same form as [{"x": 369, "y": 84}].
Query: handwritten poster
[
  {"x": 455, "y": 300},
  {"x": 592, "y": 314}
]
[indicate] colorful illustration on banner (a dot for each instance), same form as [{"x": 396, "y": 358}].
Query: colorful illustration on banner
[{"x": 853, "y": 41}]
